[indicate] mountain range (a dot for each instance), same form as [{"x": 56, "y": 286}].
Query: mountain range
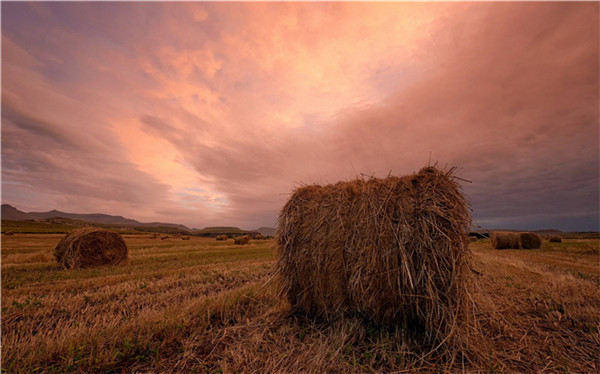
[
  {"x": 9, "y": 212},
  {"x": 12, "y": 213}
]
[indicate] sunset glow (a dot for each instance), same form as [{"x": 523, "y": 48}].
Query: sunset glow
[{"x": 212, "y": 113}]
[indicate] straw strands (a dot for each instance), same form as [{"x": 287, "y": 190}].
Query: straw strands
[{"x": 393, "y": 250}]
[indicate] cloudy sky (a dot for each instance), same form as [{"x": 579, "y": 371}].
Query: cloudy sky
[{"x": 211, "y": 113}]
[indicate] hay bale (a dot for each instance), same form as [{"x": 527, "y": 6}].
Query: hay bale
[
  {"x": 530, "y": 240},
  {"x": 258, "y": 236},
  {"x": 185, "y": 238},
  {"x": 164, "y": 237},
  {"x": 505, "y": 240},
  {"x": 394, "y": 250},
  {"x": 222, "y": 237},
  {"x": 245, "y": 239},
  {"x": 555, "y": 239},
  {"x": 90, "y": 246}
]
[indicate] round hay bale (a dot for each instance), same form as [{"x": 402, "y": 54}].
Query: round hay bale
[
  {"x": 555, "y": 239},
  {"x": 90, "y": 246},
  {"x": 530, "y": 240},
  {"x": 222, "y": 237},
  {"x": 259, "y": 236},
  {"x": 245, "y": 239},
  {"x": 394, "y": 250},
  {"x": 505, "y": 240}
]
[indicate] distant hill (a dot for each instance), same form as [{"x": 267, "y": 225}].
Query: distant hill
[
  {"x": 266, "y": 231},
  {"x": 223, "y": 230},
  {"x": 548, "y": 231},
  {"x": 220, "y": 229},
  {"x": 57, "y": 221},
  {"x": 11, "y": 213},
  {"x": 541, "y": 232}
]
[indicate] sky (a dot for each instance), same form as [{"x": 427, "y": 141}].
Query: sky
[{"x": 211, "y": 114}]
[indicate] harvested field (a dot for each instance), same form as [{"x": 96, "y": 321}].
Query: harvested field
[{"x": 208, "y": 306}]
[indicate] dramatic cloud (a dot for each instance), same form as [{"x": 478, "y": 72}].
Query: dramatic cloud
[{"x": 211, "y": 113}]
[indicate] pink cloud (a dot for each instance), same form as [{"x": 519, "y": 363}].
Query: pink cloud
[{"x": 211, "y": 113}]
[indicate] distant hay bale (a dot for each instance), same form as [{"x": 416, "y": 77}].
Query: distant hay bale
[
  {"x": 90, "y": 246},
  {"x": 222, "y": 237},
  {"x": 258, "y": 237},
  {"x": 505, "y": 240},
  {"x": 394, "y": 250},
  {"x": 245, "y": 239},
  {"x": 555, "y": 239},
  {"x": 164, "y": 237},
  {"x": 530, "y": 240},
  {"x": 185, "y": 238}
]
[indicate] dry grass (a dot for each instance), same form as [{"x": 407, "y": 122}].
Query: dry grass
[
  {"x": 90, "y": 246},
  {"x": 241, "y": 240},
  {"x": 203, "y": 306},
  {"x": 393, "y": 251},
  {"x": 505, "y": 240},
  {"x": 530, "y": 240}
]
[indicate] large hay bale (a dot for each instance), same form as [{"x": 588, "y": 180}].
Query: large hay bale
[
  {"x": 245, "y": 239},
  {"x": 90, "y": 246},
  {"x": 394, "y": 250},
  {"x": 555, "y": 239},
  {"x": 222, "y": 237},
  {"x": 530, "y": 240},
  {"x": 505, "y": 240}
]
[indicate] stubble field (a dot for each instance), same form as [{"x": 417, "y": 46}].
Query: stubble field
[{"x": 208, "y": 306}]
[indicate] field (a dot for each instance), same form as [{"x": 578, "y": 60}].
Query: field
[{"x": 208, "y": 306}]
